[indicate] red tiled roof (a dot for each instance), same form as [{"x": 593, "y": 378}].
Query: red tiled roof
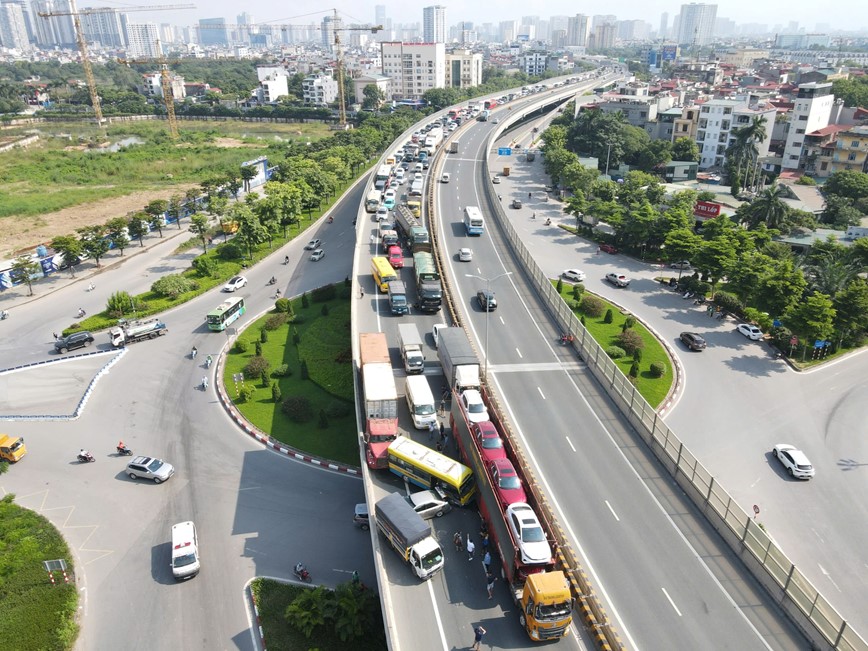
[{"x": 830, "y": 130}]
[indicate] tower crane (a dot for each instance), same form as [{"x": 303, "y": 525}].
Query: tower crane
[
  {"x": 82, "y": 42},
  {"x": 339, "y": 55},
  {"x": 165, "y": 84}
]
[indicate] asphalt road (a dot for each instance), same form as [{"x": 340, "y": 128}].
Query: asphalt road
[
  {"x": 672, "y": 596},
  {"x": 255, "y": 509}
]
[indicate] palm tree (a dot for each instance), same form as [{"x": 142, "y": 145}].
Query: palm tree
[
  {"x": 744, "y": 148},
  {"x": 832, "y": 273},
  {"x": 770, "y": 208}
]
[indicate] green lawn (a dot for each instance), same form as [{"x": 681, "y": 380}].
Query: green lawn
[
  {"x": 654, "y": 390},
  {"x": 324, "y": 344},
  {"x": 36, "y": 615},
  {"x": 272, "y": 599}
]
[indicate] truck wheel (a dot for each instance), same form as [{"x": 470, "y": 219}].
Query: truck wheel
[{"x": 522, "y": 620}]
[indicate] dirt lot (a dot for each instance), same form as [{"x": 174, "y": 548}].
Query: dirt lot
[{"x": 23, "y": 234}]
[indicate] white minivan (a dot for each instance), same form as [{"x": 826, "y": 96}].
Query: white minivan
[
  {"x": 185, "y": 551},
  {"x": 420, "y": 401}
]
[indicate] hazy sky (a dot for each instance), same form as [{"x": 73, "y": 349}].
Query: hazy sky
[{"x": 842, "y": 14}]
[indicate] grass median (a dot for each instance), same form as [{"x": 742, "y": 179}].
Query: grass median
[
  {"x": 309, "y": 359},
  {"x": 653, "y": 389},
  {"x": 36, "y": 615}
]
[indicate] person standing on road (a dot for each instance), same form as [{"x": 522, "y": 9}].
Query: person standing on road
[
  {"x": 478, "y": 634},
  {"x": 431, "y": 429},
  {"x": 486, "y": 561},
  {"x": 458, "y": 541},
  {"x": 470, "y": 548},
  {"x": 489, "y": 583}
]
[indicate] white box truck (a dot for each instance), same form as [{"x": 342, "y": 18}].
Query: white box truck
[{"x": 411, "y": 348}]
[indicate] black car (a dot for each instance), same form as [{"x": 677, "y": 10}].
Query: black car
[
  {"x": 73, "y": 341},
  {"x": 487, "y": 301},
  {"x": 693, "y": 340}
]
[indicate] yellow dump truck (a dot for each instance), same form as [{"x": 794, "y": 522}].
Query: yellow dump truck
[{"x": 12, "y": 448}]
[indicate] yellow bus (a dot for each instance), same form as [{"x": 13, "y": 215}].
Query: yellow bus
[
  {"x": 415, "y": 207},
  {"x": 428, "y": 468},
  {"x": 382, "y": 272}
]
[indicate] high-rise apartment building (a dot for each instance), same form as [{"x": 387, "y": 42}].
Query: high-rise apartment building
[
  {"x": 578, "y": 30},
  {"x": 434, "y": 24},
  {"x": 380, "y": 15},
  {"x": 696, "y": 23},
  {"x": 106, "y": 28},
  {"x": 57, "y": 30},
  {"x": 142, "y": 41},
  {"x": 811, "y": 112},
  {"x": 329, "y": 25},
  {"x": 211, "y": 32},
  {"x": 664, "y": 25},
  {"x": 413, "y": 67},
  {"x": 13, "y": 26}
]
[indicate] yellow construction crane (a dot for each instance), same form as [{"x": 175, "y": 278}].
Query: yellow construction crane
[
  {"x": 165, "y": 84},
  {"x": 339, "y": 55},
  {"x": 82, "y": 43}
]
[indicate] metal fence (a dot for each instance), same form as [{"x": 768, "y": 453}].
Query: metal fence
[{"x": 811, "y": 612}]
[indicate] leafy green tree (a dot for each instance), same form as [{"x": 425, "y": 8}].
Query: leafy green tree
[
  {"x": 117, "y": 233},
  {"x": 853, "y": 91},
  {"x": 851, "y": 309},
  {"x": 840, "y": 212},
  {"x": 174, "y": 208},
  {"x": 681, "y": 244},
  {"x": 555, "y": 137},
  {"x": 685, "y": 149},
  {"x": 715, "y": 259},
  {"x": 655, "y": 155},
  {"x": 248, "y": 173},
  {"x": 155, "y": 210},
  {"x": 70, "y": 249},
  {"x": 832, "y": 272},
  {"x": 173, "y": 285},
  {"x": 24, "y": 268},
  {"x": 851, "y": 184},
  {"x": 812, "y": 318},
  {"x": 95, "y": 240},
  {"x": 373, "y": 97},
  {"x": 250, "y": 230},
  {"x": 859, "y": 252},
  {"x": 769, "y": 208},
  {"x": 283, "y": 203},
  {"x": 138, "y": 227},
  {"x": 199, "y": 227},
  {"x": 307, "y": 612}
]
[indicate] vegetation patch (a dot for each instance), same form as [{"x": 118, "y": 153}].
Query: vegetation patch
[
  {"x": 37, "y": 616},
  {"x": 615, "y": 339},
  {"x": 311, "y": 372}
]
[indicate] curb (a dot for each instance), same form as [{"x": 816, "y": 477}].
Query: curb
[{"x": 252, "y": 600}]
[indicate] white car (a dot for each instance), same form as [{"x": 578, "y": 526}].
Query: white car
[
  {"x": 794, "y": 460},
  {"x": 444, "y": 178},
  {"x": 527, "y": 531},
  {"x": 465, "y": 254},
  {"x": 750, "y": 331},
  {"x": 471, "y": 401},
  {"x": 313, "y": 244},
  {"x": 679, "y": 265},
  {"x": 236, "y": 282},
  {"x": 390, "y": 194},
  {"x": 429, "y": 504},
  {"x": 382, "y": 214},
  {"x": 418, "y": 176},
  {"x": 317, "y": 255},
  {"x": 575, "y": 275},
  {"x": 618, "y": 280}
]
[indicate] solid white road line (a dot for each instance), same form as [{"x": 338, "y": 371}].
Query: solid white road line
[
  {"x": 541, "y": 393},
  {"x": 671, "y": 602},
  {"x": 573, "y": 447},
  {"x": 615, "y": 515}
]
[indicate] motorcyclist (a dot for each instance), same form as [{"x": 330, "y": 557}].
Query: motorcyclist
[
  {"x": 121, "y": 446},
  {"x": 193, "y": 352},
  {"x": 83, "y": 454},
  {"x": 81, "y": 312},
  {"x": 286, "y": 260},
  {"x": 208, "y": 361},
  {"x": 272, "y": 281},
  {"x": 204, "y": 382}
]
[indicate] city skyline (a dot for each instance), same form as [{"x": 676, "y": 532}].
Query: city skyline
[{"x": 849, "y": 15}]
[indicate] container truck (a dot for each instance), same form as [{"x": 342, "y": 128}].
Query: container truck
[
  {"x": 411, "y": 348},
  {"x": 459, "y": 360},
  {"x": 541, "y": 592},
  {"x": 409, "y": 535},
  {"x": 12, "y": 448},
  {"x": 129, "y": 332},
  {"x": 429, "y": 291},
  {"x": 372, "y": 202},
  {"x": 398, "y": 298},
  {"x": 381, "y": 398},
  {"x": 412, "y": 230}
]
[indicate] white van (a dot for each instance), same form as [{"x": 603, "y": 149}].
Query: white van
[
  {"x": 416, "y": 188},
  {"x": 420, "y": 401},
  {"x": 185, "y": 551}
]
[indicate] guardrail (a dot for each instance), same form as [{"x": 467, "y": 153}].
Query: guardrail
[{"x": 791, "y": 589}]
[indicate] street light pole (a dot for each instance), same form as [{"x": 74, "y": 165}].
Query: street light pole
[{"x": 488, "y": 282}]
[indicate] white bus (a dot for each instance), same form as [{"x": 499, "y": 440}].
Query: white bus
[
  {"x": 382, "y": 176},
  {"x": 474, "y": 224}
]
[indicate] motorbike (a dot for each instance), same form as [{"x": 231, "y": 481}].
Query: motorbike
[
  {"x": 687, "y": 294},
  {"x": 286, "y": 260},
  {"x": 272, "y": 281},
  {"x": 90, "y": 288},
  {"x": 81, "y": 313},
  {"x": 87, "y": 457},
  {"x": 204, "y": 384},
  {"x": 124, "y": 451},
  {"x": 208, "y": 361},
  {"x": 301, "y": 573},
  {"x": 699, "y": 301},
  {"x": 548, "y": 222},
  {"x": 4, "y": 315},
  {"x": 331, "y": 219},
  {"x": 193, "y": 353}
]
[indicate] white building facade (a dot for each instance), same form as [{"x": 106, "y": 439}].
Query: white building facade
[
  {"x": 434, "y": 24},
  {"x": 696, "y": 23},
  {"x": 717, "y": 119},
  {"x": 319, "y": 90},
  {"x": 413, "y": 68},
  {"x": 463, "y": 69},
  {"x": 811, "y": 112}
]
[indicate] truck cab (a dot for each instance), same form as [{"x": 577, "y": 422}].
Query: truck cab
[{"x": 12, "y": 448}]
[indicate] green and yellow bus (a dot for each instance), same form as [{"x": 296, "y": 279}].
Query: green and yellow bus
[
  {"x": 382, "y": 272},
  {"x": 227, "y": 312},
  {"x": 428, "y": 468}
]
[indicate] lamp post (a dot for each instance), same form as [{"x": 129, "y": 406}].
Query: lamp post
[{"x": 488, "y": 282}]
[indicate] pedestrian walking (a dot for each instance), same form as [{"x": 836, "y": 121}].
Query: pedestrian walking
[
  {"x": 484, "y": 540},
  {"x": 489, "y": 583},
  {"x": 478, "y": 634},
  {"x": 432, "y": 427},
  {"x": 373, "y": 239},
  {"x": 361, "y": 292},
  {"x": 356, "y": 579},
  {"x": 458, "y": 541},
  {"x": 442, "y": 407},
  {"x": 55, "y": 336},
  {"x": 486, "y": 560},
  {"x": 439, "y": 446},
  {"x": 442, "y": 434},
  {"x": 277, "y": 293},
  {"x": 470, "y": 548}
]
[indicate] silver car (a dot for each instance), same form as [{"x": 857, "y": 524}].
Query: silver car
[
  {"x": 429, "y": 504},
  {"x": 150, "y": 468}
]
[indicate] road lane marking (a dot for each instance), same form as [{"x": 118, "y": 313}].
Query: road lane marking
[
  {"x": 541, "y": 393},
  {"x": 671, "y": 602},
  {"x": 519, "y": 353},
  {"x": 501, "y": 320},
  {"x": 570, "y": 443},
  {"x": 446, "y": 645},
  {"x": 615, "y": 515},
  {"x": 758, "y": 480}
]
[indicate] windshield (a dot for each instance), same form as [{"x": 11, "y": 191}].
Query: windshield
[
  {"x": 154, "y": 466},
  {"x": 186, "y": 559},
  {"x": 398, "y": 299},
  {"x": 509, "y": 482},
  {"x": 431, "y": 559},
  {"x": 492, "y": 443},
  {"x": 17, "y": 445},
  {"x": 424, "y": 410},
  {"x": 532, "y": 534},
  {"x": 476, "y": 408},
  {"x": 551, "y": 611}
]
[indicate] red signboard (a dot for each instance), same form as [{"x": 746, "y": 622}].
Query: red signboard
[{"x": 707, "y": 209}]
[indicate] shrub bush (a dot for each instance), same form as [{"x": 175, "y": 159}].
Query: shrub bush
[
  {"x": 275, "y": 392},
  {"x": 230, "y": 251},
  {"x": 305, "y": 301},
  {"x": 578, "y": 290},
  {"x": 658, "y": 369},
  {"x": 121, "y": 303},
  {"x": 592, "y": 306},
  {"x": 325, "y": 309},
  {"x": 296, "y": 318},
  {"x": 323, "y": 419},
  {"x": 629, "y": 322},
  {"x": 283, "y": 305},
  {"x": 258, "y": 345},
  {"x": 634, "y": 369},
  {"x": 630, "y": 340},
  {"x": 560, "y": 285},
  {"x": 345, "y": 356},
  {"x": 610, "y": 316},
  {"x": 263, "y": 377},
  {"x": 729, "y": 302},
  {"x": 323, "y": 294},
  {"x": 297, "y": 408},
  {"x": 338, "y": 409},
  {"x": 274, "y": 321},
  {"x": 206, "y": 266},
  {"x": 263, "y": 335},
  {"x": 296, "y": 338},
  {"x": 241, "y": 346},
  {"x": 245, "y": 393},
  {"x": 637, "y": 355},
  {"x": 282, "y": 371},
  {"x": 615, "y": 352},
  {"x": 173, "y": 285},
  {"x": 255, "y": 366},
  {"x": 305, "y": 375}
]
